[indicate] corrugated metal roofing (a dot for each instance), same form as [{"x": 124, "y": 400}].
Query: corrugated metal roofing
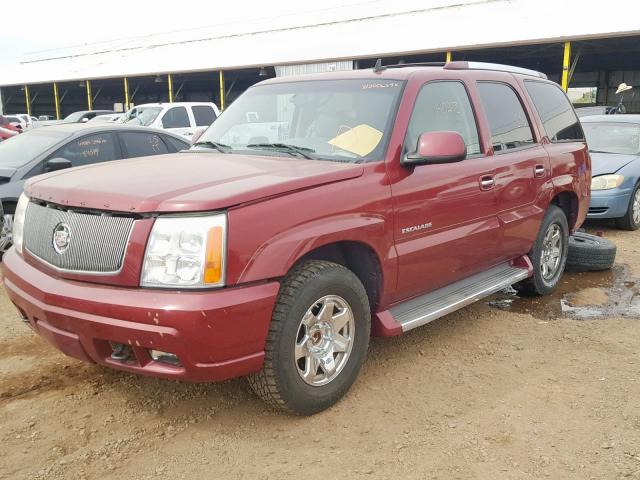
[{"x": 375, "y": 31}]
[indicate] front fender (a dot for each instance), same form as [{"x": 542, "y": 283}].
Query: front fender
[{"x": 277, "y": 255}]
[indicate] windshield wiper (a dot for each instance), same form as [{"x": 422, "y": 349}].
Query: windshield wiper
[
  {"x": 598, "y": 151},
  {"x": 293, "y": 149},
  {"x": 221, "y": 147}
]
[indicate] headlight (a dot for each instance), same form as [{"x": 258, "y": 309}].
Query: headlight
[
  {"x": 186, "y": 251},
  {"x": 606, "y": 182},
  {"x": 18, "y": 222}
]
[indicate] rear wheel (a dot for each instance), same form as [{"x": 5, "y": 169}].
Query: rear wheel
[
  {"x": 631, "y": 220},
  {"x": 549, "y": 254},
  {"x": 317, "y": 341}
]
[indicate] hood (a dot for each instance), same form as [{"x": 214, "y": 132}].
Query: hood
[
  {"x": 603, "y": 163},
  {"x": 184, "y": 182}
]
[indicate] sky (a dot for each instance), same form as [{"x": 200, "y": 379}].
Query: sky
[{"x": 62, "y": 23}]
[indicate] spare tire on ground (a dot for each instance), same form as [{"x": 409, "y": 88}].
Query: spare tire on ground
[{"x": 589, "y": 253}]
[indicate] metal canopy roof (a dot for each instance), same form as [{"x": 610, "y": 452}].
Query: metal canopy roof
[{"x": 375, "y": 31}]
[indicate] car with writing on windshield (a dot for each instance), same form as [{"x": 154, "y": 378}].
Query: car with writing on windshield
[
  {"x": 42, "y": 150},
  {"x": 316, "y": 211},
  {"x": 614, "y": 143}
]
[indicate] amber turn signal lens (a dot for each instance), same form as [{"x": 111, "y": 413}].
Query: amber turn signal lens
[{"x": 214, "y": 255}]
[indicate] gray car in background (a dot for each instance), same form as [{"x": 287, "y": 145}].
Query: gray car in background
[{"x": 43, "y": 150}]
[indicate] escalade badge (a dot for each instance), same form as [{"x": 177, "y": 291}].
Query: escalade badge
[{"x": 61, "y": 237}]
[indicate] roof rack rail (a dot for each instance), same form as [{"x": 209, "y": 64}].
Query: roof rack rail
[
  {"x": 498, "y": 67},
  {"x": 463, "y": 65}
]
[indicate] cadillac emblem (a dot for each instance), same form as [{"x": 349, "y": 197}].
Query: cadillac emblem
[{"x": 61, "y": 237}]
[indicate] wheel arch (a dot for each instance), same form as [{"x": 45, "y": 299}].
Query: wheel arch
[{"x": 568, "y": 202}]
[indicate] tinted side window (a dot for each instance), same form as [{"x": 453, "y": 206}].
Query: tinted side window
[
  {"x": 556, "y": 113},
  {"x": 443, "y": 106},
  {"x": 177, "y": 144},
  {"x": 100, "y": 147},
  {"x": 508, "y": 123},
  {"x": 176, "y": 117},
  {"x": 142, "y": 144},
  {"x": 203, "y": 115}
]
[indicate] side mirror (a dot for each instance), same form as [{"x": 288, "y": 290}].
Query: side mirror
[
  {"x": 84, "y": 119},
  {"x": 197, "y": 134},
  {"x": 57, "y": 164},
  {"x": 437, "y": 147}
]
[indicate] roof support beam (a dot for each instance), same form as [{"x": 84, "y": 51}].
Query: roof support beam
[
  {"x": 27, "y": 99},
  {"x": 448, "y": 57},
  {"x": 222, "y": 92},
  {"x": 56, "y": 99},
  {"x": 170, "y": 86},
  {"x": 89, "y": 97},
  {"x": 566, "y": 58},
  {"x": 126, "y": 94}
]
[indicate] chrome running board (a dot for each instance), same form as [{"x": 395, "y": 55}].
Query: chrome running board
[{"x": 426, "y": 308}]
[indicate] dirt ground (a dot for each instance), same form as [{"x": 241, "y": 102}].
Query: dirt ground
[{"x": 508, "y": 389}]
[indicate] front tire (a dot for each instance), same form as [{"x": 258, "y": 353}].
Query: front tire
[
  {"x": 6, "y": 231},
  {"x": 631, "y": 220},
  {"x": 317, "y": 341},
  {"x": 549, "y": 254}
]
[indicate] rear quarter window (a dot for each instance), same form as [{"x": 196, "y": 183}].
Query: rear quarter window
[{"x": 558, "y": 117}]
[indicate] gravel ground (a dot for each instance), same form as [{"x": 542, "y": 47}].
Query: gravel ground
[{"x": 516, "y": 392}]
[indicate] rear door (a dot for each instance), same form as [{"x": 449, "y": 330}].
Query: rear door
[
  {"x": 142, "y": 144},
  {"x": 521, "y": 162},
  {"x": 446, "y": 227},
  {"x": 177, "y": 120}
]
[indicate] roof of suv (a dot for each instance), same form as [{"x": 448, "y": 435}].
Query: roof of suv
[{"x": 405, "y": 71}]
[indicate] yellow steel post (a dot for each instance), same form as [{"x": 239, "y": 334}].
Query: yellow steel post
[
  {"x": 89, "y": 96},
  {"x": 565, "y": 66},
  {"x": 27, "y": 99},
  {"x": 170, "y": 83},
  {"x": 56, "y": 98},
  {"x": 221, "y": 90},
  {"x": 448, "y": 56},
  {"x": 126, "y": 94}
]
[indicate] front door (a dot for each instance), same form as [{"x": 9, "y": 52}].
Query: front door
[{"x": 446, "y": 227}]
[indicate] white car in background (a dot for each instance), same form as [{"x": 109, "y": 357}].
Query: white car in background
[{"x": 185, "y": 118}]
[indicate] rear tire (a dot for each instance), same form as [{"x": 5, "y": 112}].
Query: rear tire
[
  {"x": 631, "y": 220},
  {"x": 317, "y": 341},
  {"x": 548, "y": 255}
]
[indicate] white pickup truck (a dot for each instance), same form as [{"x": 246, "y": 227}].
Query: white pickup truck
[{"x": 184, "y": 118}]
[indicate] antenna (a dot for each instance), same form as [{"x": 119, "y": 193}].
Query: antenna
[{"x": 378, "y": 66}]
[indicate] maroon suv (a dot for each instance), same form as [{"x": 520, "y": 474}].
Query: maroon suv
[{"x": 314, "y": 212}]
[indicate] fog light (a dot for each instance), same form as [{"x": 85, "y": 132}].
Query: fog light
[{"x": 164, "y": 357}]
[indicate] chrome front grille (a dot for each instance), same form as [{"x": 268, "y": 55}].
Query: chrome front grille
[{"x": 96, "y": 242}]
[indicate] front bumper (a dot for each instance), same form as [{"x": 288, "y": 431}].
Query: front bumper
[
  {"x": 216, "y": 334},
  {"x": 609, "y": 204}
]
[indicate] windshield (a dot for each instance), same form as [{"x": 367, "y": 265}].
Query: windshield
[
  {"x": 344, "y": 120},
  {"x": 609, "y": 137},
  {"x": 142, "y": 115},
  {"x": 21, "y": 149}
]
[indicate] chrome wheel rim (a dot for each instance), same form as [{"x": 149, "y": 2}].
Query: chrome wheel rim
[
  {"x": 551, "y": 251},
  {"x": 324, "y": 340},
  {"x": 6, "y": 234},
  {"x": 636, "y": 207}
]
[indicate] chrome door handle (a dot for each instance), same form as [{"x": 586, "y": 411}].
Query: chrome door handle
[
  {"x": 539, "y": 171},
  {"x": 487, "y": 183}
]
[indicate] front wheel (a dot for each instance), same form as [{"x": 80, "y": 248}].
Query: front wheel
[
  {"x": 549, "y": 254},
  {"x": 631, "y": 220},
  {"x": 317, "y": 341},
  {"x": 6, "y": 231}
]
